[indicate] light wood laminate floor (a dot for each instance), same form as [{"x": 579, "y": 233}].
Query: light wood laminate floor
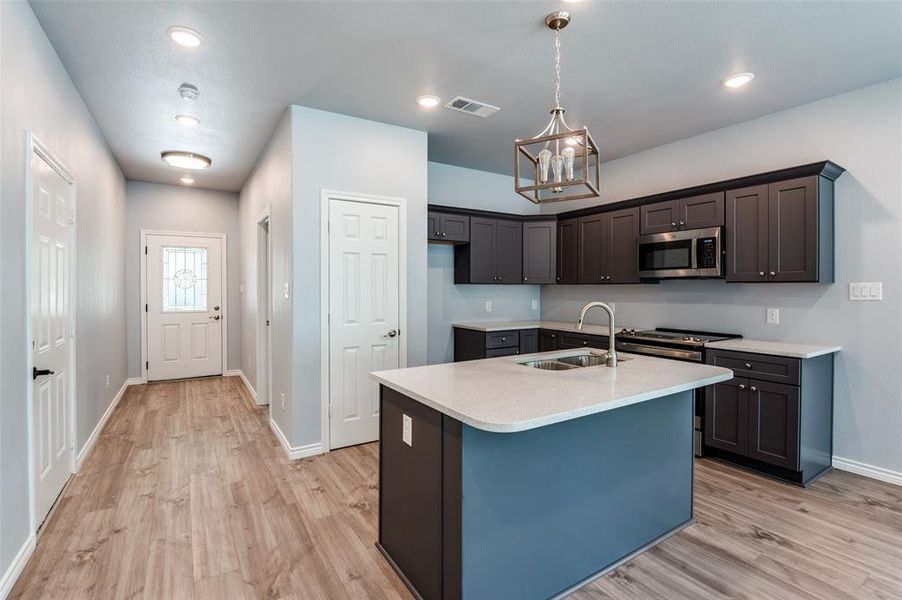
[{"x": 187, "y": 494}]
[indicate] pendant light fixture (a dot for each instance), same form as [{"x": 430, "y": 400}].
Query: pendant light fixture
[{"x": 560, "y": 163}]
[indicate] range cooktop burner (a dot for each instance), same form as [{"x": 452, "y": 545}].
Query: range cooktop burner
[{"x": 675, "y": 336}]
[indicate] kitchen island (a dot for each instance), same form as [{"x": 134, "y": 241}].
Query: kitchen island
[{"x": 501, "y": 480}]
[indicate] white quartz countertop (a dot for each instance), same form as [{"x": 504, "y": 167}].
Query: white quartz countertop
[
  {"x": 489, "y": 326},
  {"x": 500, "y": 395},
  {"x": 773, "y": 348}
]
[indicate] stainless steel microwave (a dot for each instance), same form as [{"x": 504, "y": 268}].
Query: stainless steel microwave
[{"x": 689, "y": 253}]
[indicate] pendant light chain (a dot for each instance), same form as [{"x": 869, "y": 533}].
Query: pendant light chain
[{"x": 557, "y": 68}]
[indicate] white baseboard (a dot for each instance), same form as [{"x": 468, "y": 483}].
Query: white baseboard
[
  {"x": 294, "y": 452},
  {"x": 860, "y": 468},
  {"x": 247, "y": 384},
  {"x": 135, "y": 381},
  {"x": 89, "y": 445},
  {"x": 15, "y": 568}
]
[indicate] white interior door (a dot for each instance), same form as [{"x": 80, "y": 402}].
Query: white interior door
[
  {"x": 264, "y": 313},
  {"x": 51, "y": 336},
  {"x": 363, "y": 315},
  {"x": 184, "y": 306}
]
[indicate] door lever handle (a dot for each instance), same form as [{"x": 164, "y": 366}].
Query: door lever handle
[
  {"x": 36, "y": 372},
  {"x": 216, "y": 317}
]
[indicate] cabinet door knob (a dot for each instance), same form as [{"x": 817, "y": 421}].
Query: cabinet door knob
[
  {"x": 673, "y": 224},
  {"x": 682, "y": 223},
  {"x": 741, "y": 386},
  {"x": 444, "y": 234},
  {"x": 753, "y": 388},
  {"x": 526, "y": 279},
  {"x": 557, "y": 278},
  {"x": 585, "y": 343},
  {"x": 761, "y": 273},
  {"x": 748, "y": 365},
  {"x": 504, "y": 339},
  {"x": 772, "y": 274}
]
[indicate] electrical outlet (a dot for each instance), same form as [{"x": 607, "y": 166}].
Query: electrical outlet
[
  {"x": 285, "y": 290},
  {"x": 107, "y": 382},
  {"x": 535, "y": 304},
  {"x": 407, "y": 430},
  {"x": 283, "y": 401},
  {"x": 488, "y": 306},
  {"x": 773, "y": 316},
  {"x": 866, "y": 291}
]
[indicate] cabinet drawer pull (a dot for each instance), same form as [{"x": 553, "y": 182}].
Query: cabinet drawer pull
[
  {"x": 682, "y": 223},
  {"x": 761, "y": 273},
  {"x": 504, "y": 339},
  {"x": 526, "y": 279},
  {"x": 772, "y": 274},
  {"x": 741, "y": 386},
  {"x": 748, "y": 365},
  {"x": 753, "y": 388},
  {"x": 673, "y": 224},
  {"x": 444, "y": 234}
]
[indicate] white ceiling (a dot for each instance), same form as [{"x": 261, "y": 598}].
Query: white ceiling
[{"x": 640, "y": 74}]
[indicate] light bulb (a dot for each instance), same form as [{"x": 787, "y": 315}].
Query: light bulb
[
  {"x": 567, "y": 155},
  {"x": 544, "y": 160},
  {"x": 556, "y": 164}
]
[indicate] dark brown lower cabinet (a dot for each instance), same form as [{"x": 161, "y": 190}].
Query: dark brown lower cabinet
[
  {"x": 781, "y": 429},
  {"x": 471, "y": 344},
  {"x": 547, "y": 340}
]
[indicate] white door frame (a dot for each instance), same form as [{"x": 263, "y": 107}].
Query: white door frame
[
  {"x": 225, "y": 291},
  {"x": 264, "y": 297},
  {"x": 326, "y": 196},
  {"x": 34, "y": 145}
]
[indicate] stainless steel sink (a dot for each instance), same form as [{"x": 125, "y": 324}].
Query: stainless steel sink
[{"x": 571, "y": 362}]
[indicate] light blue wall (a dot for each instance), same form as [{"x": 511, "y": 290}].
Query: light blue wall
[
  {"x": 468, "y": 188},
  {"x": 859, "y": 130},
  {"x": 342, "y": 153}
]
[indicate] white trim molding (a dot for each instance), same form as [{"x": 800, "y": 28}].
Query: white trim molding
[
  {"x": 874, "y": 472},
  {"x": 135, "y": 381},
  {"x": 247, "y": 384},
  {"x": 326, "y": 197},
  {"x": 16, "y": 566},
  {"x": 89, "y": 445},
  {"x": 294, "y": 452}
]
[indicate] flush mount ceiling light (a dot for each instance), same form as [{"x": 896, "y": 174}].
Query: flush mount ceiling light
[
  {"x": 187, "y": 120},
  {"x": 560, "y": 163},
  {"x": 186, "y": 160},
  {"x": 184, "y": 36},
  {"x": 738, "y": 80},
  {"x": 186, "y": 179},
  {"x": 428, "y": 101},
  {"x": 188, "y": 91}
]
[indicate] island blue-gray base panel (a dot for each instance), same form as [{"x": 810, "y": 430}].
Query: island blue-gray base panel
[{"x": 531, "y": 514}]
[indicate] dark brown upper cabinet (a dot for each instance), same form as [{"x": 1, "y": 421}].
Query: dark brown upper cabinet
[
  {"x": 539, "y": 251},
  {"x": 567, "y": 251},
  {"x": 606, "y": 247},
  {"x": 494, "y": 254},
  {"x": 445, "y": 227},
  {"x": 780, "y": 232},
  {"x": 694, "y": 212}
]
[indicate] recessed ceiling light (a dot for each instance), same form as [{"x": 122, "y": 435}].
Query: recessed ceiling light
[
  {"x": 738, "y": 80},
  {"x": 186, "y": 179},
  {"x": 185, "y": 160},
  {"x": 428, "y": 101},
  {"x": 183, "y": 36},
  {"x": 187, "y": 120}
]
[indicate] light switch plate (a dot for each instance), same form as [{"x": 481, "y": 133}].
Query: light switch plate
[
  {"x": 285, "y": 290},
  {"x": 872, "y": 290},
  {"x": 407, "y": 430},
  {"x": 535, "y": 304},
  {"x": 773, "y": 316}
]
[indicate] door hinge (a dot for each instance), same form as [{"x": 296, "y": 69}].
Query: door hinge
[
  {"x": 145, "y": 308},
  {"x": 145, "y": 250},
  {"x": 71, "y": 216},
  {"x": 71, "y": 329},
  {"x": 147, "y": 364},
  {"x": 329, "y": 226}
]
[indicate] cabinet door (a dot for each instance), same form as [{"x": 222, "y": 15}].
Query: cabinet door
[
  {"x": 539, "y": 251},
  {"x": 509, "y": 251},
  {"x": 774, "y": 423},
  {"x": 622, "y": 254},
  {"x": 702, "y": 211},
  {"x": 432, "y": 226},
  {"x": 746, "y": 234},
  {"x": 482, "y": 250},
  {"x": 547, "y": 340},
  {"x": 529, "y": 341},
  {"x": 590, "y": 254},
  {"x": 567, "y": 251},
  {"x": 726, "y": 416},
  {"x": 659, "y": 217},
  {"x": 454, "y": 228},
  {"x": 792, "y": 230}
]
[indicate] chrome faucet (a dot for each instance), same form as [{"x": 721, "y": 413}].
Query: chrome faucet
[{"x": 612, "y": 352}]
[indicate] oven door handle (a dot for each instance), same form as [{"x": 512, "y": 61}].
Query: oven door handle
[{"x": 659, "y": 351}]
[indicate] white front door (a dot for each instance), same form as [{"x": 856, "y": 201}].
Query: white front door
[
  {"x": 184, "y": 306},
  {"x": 51, "y": 315},
  {"x": 363, "y": 315}
]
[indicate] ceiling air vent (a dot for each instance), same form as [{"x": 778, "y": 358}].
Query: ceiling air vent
[{"x": 472, "y": 107}]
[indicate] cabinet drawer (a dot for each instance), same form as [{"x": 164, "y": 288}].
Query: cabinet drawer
[
  {"x": 778, "y": 369},
  {"x": 496, "y": 352},
  {"x": 502, "y": 339},
  {"x": 578, "y": 340}
]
